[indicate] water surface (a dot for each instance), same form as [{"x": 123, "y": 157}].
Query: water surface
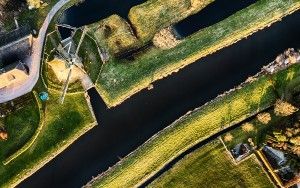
[{"x": 124, "y": 128}]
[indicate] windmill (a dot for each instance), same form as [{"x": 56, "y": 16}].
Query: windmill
[{"x": 72, "y": 60}]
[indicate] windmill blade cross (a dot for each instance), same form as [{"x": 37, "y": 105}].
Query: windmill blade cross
[
  {"x": 66, "y": 85},
  {"x": 81, "y": 40},
  {"x": 62, "y": 53}
]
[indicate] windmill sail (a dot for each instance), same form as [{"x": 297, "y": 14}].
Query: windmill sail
[{"x": 66, "y": 85}]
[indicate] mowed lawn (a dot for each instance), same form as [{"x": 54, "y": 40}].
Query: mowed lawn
[
  {"x": 211, "y": 167},
  {"x": 20, "y": 126},
  {"x": 63, "y": 124}
]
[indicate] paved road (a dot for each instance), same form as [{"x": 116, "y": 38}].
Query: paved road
[{"x": 34, "y": 61}]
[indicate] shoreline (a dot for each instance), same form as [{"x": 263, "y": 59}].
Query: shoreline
[
  {"x": 110, "y": 176},
  {"x": 169, "y": 69}
]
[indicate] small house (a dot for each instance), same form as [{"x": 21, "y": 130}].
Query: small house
[
  {"x": 240, "y": 151},
  {"x": 13, "y": 74},
  {"x": 276, "y": 157}
]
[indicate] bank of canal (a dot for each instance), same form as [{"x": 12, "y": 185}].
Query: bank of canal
[
  {"x": 124, "y": 128},
  {"x": 213, "y": 13}
]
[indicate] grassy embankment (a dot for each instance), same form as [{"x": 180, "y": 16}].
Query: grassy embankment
[
  {"x": 116, "y": 35},
  {"x": 120, "y": 79},
  {"x": 150, "y": 17},
  {"x": 63, "y": 124},
  {"x": 34, "y": 18},
  {"x": 194, "y": 127},
  {"x": 211, "y": 166}
]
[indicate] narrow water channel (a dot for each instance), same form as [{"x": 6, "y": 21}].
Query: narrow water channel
[
  {"x": 124, "y": 128},
  {"x": 64, "y": 32},
  {"x": 91, "y": 11},
  {"x": 94, "y": 10},
  {"x": 213, "y": 13}
]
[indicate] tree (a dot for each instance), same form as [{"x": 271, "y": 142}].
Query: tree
[
  {"x": 3, "y": 135},
  {"x": 283, "y": 108},
  {"x": 288, "y": 140},
  {"x": 32, "y": 4},
  {"x": 264, "y": 118},
  {"x": 295, "y": 140},
  {"x": 228, "y": 137},
  {"x": 248, "y": 127}
]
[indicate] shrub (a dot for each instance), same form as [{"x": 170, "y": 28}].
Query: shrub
[
  {"x": 165, "y": 39},
  {"x": 3, "y": 135},
  {"x": 283, "y": 108},
  {"x": 228, "y": 137},
  {"x": 264, "y": 118},
  {"x": 33, "y": 4},
  {"x": 248, "y": 127}
]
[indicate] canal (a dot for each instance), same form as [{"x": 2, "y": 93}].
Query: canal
[{"x": 123, "y": 128}]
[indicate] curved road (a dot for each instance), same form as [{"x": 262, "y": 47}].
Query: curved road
[{"x": 34, "y": 61}]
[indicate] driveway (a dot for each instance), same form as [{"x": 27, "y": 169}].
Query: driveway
[{"x": 34, "y": 61}]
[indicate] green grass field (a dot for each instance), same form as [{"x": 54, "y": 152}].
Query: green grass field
[
  {"x": 63, "y": 124},
  {"x": 34, "y": 18},
  {"x": 20, "y": 125},
  {"x": 120, "y": 79},
  {"x": 194, "y": 127},
  {"x": 210, "y": 166}
]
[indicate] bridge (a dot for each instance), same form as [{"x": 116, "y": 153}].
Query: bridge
[{"x": 66, "y": 26}]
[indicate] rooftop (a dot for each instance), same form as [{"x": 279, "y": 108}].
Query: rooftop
[
  {"x": 21, "y": 32},
  {"x": 14, "y": 73}
]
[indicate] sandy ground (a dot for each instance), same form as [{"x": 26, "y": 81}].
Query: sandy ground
[{"x": 61, "y": 72}]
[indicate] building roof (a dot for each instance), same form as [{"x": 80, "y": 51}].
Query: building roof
[
  {"x": 275, "y": 154},
  {"x": 14, "y": 35},
  {"x": 13, "y": 73},
  {"x": 15, "y": 45}
]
